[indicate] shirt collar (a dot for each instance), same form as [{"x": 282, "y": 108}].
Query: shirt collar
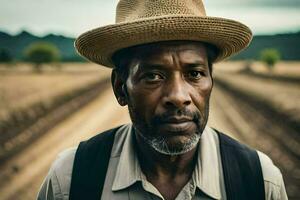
[
  {"x": 128, "y": 170},
  {"x": 206, "y": 174}
]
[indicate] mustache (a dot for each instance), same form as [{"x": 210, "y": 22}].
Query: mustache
[{"x": 182, "y": 113}]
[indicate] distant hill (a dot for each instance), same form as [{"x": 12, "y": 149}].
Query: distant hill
[
  {"x": 287, "y": 44},
  {"x": 16, "y": 44}
]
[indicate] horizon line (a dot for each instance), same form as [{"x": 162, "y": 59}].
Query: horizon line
[{"x": 11, "y": 33}]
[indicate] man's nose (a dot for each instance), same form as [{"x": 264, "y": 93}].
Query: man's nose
[{"x": 176, "y": 94}]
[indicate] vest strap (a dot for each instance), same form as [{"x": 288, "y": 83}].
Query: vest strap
[
  {"x": 90, "y": 166},
  {"x": 242, "y": 170}
]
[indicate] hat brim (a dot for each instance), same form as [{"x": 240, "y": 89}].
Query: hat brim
[{"x": 229, "y": 36}]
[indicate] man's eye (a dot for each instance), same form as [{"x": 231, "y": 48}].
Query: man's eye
[
  {"x": 196, "y": 74},
  {"x": 152, "y": 77}
]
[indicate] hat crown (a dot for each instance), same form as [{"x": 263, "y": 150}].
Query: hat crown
[{"x": 131, "y": 10}]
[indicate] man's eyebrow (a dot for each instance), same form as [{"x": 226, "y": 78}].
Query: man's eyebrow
[
  {"x": 145, "y": 65},
  {"x": 195, "y": 64}
]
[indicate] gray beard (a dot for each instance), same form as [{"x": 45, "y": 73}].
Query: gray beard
[{"x": 160, "y": 145}]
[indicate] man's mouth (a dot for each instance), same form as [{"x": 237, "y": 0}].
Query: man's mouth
[{"x": 177, "y": 124}]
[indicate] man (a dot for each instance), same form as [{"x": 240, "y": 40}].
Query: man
[{"x": 162, "y": 53}]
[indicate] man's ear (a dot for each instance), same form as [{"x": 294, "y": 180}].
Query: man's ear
[{"x": 119, "y": 88}]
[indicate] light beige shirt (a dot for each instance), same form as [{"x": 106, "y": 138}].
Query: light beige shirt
[{"x": 125, "y": 180}]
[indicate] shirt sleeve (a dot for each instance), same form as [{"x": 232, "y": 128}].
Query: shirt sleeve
[
  {"x": 56, "y": 185},
  {"x": 282, "y": 192},
  {"x": 273, "y": 180},
  {"x": 50, "y": 189}
]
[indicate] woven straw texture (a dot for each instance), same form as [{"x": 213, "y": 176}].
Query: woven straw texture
[{"x": 147, "y": 21}]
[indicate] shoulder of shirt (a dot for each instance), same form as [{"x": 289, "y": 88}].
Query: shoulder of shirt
[
  {"x": 271, "y": 173},
  {"x": 61, "y": 170},
  {"x": 64, "y": 159}
]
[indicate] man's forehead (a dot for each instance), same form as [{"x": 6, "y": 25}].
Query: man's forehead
[{"x": 186, "y": 50}]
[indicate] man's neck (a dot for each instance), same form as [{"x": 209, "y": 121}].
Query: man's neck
[{"x": 169, "y": 174}]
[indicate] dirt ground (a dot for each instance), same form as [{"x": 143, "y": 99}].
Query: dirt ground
[{"x": 21, "y": 87}]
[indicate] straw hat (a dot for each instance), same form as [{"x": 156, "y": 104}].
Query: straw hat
[{"x": 147, "y": 21}]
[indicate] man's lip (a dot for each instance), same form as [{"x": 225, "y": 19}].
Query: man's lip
[
  {"x": 177, "y": 125},
  {"x": 177, "y": 120}
]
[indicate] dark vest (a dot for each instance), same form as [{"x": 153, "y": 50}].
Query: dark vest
[{"x": 241, "y": 168}]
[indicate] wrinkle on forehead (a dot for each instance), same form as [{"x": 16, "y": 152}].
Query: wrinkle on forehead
[{"x": 159, "y": 53}]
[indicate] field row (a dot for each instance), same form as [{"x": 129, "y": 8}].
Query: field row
[
  {"x": 282, "y": 96},
  {"x": 20, "y": 91},
  {"x": 21, "y": 87}
]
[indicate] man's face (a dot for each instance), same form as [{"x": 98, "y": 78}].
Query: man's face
[{"x": 168, "y": 90}]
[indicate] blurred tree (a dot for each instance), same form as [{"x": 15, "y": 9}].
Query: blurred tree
[
  {"x": 270, "y": 57},
  {"x": 40, "y": 53},
  {"x": 5, "y": 56}
]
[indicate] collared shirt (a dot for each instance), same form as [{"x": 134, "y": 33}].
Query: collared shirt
[{"x": 126, "y": 181}]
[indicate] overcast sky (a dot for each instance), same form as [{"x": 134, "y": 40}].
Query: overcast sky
[{"x": 72, "y": 17}]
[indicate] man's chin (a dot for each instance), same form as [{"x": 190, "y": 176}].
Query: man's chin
[
  {"x": 178, "y": 140},
  {"x": 175, "y": 144}
]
